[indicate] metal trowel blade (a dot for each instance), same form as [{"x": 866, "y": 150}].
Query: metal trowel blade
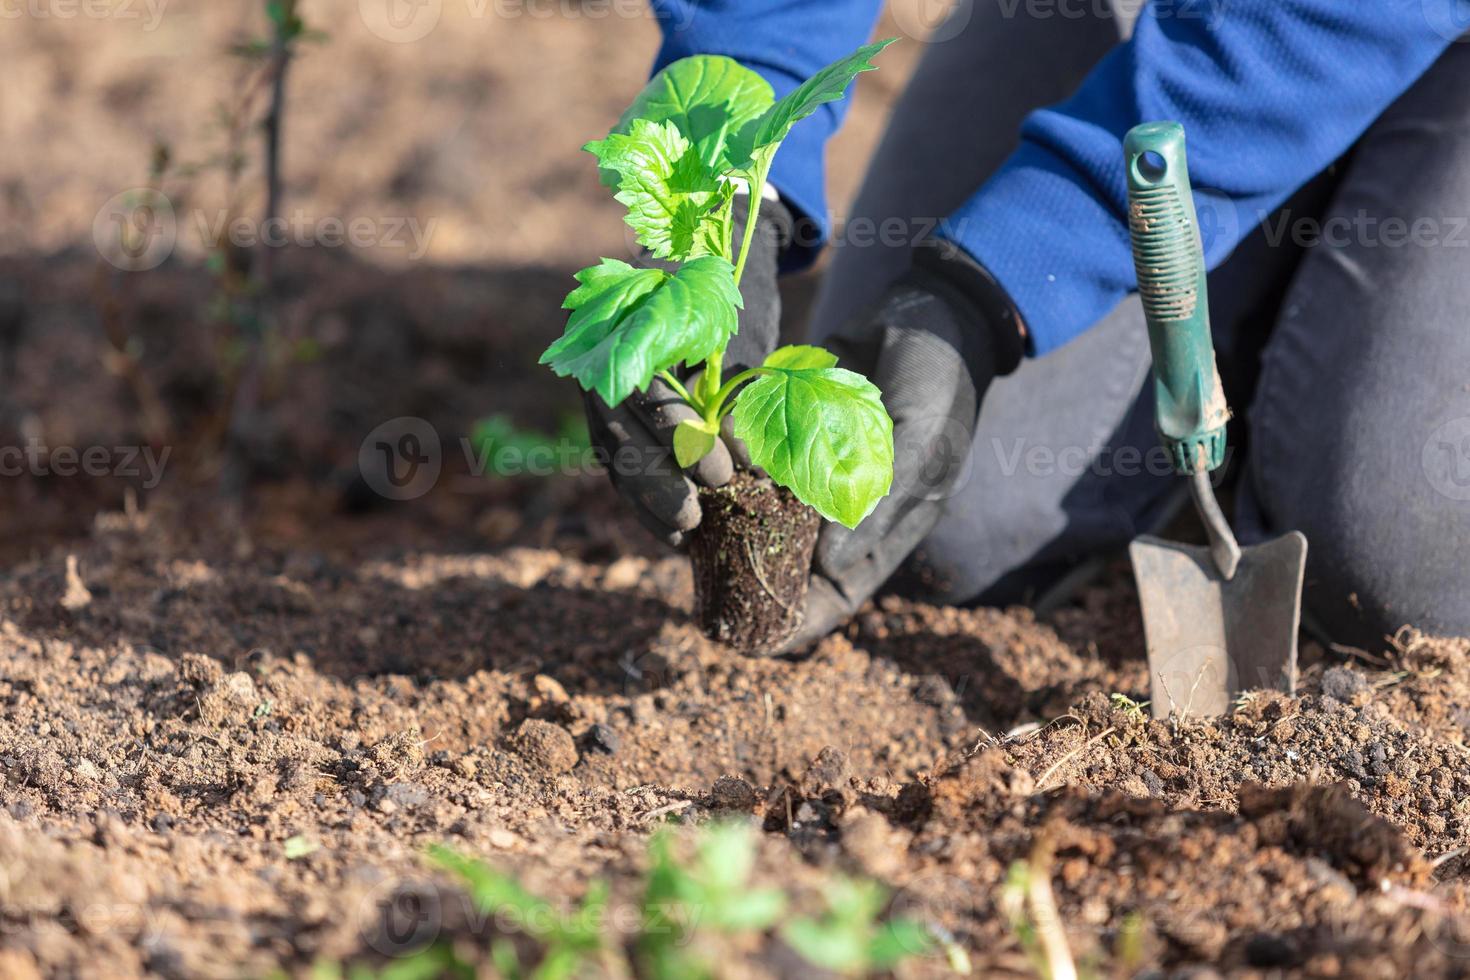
[{"x": 1209, "y": 639}]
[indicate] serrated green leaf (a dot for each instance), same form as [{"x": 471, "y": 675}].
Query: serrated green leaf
[
  {"x": 693, "y": 439},
  {"x": 671, "y": 195},
  {"x": 755, "y": 143},
  {"x": 821, "y": 431},
  {"x": 708, "y": 97},
  {"x": 801, "y": 357},
  {"x": 628, "y": 324}
]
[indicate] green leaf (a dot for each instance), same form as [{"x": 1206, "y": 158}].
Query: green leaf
[
  {"x": 821, "y": 431},
  {"x": 298, "y": 846},
  {"x": 896, "y": 941},
  {"x": 709, "y": 98},
  {"x": 749, "y": 911},
  {"x": 726, "y": 856},
  {"x": 756, "y": 143},
  {"x": 823, "y": 945},
  {"x": 492, "y": 891},
  {"x": 629, "y": 324},
  {"x": 437, "y": 962},
  {"x": 693, "y": 439},
  {"x": 673, "y": 198},
  {"x": 801, "y": 357}
]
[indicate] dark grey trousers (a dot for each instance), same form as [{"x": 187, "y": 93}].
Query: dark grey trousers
[{"x": 1342, "y": 323}]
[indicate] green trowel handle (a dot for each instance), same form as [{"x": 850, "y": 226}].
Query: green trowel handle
[{"x": 1171, "y": 281}]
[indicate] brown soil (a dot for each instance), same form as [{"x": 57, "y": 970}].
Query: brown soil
[
  {"x": 230, "y": 728},
  {"x": 751, "y": 556},
  {"x": 211, "y": 698}
]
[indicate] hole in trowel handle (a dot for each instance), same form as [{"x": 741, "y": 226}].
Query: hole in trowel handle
[{"x": 1151, "y": 166}]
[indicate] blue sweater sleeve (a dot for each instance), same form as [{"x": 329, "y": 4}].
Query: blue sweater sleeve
[
  {"x": 786, "y": 42},
  {"x": 1269, "y": 92}
]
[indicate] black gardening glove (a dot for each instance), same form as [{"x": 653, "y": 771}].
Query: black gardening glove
[
  {"x": 932, "y": 345},
  {"x": 636, "y": 438}
]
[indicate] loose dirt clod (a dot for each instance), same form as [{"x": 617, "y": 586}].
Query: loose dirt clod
[
  {"x": 733, "y": 794},
  {"x": 546, "y": 745},
  {"x": 751, "y": 555}
]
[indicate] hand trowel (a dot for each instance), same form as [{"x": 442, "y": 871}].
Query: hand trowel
[{"x": 1221, "y": 619}]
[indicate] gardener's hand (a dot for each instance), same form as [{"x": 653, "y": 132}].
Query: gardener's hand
[
  {"x": 932, "y": 345},
  {"x": 637, "y": 436}
]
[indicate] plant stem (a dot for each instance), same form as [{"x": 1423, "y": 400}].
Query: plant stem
[
  {"x": 752, "y": 214},
  {"x": 678, "y": 387},
  {"x": 278, "y": 66},
  {"x": 715, "y": 407},
  {"x": 709, "y": 383},
  {"x": 712, "y": 392}
]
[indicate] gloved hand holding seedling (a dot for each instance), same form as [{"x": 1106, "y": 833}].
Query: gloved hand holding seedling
[{"x": 701, "y": 130}]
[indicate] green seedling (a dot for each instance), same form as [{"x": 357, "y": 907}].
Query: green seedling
[
  {"x": 298, "y": 847},
  {"x": 701, "y": 129},
  {"x": 711, "y": 895},
  {"x": 1133, "y": 710},
  {"x": 695, "y": 908},
  {"x": 573, "y": 944},
  {"x": 504, "y": 447},
  {"x": 1030, "y": 906},
  {"x": 850, "y": 939}
]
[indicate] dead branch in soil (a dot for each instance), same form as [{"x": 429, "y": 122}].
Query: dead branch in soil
[
  {"x": 665, "y": 810},
  {"x": 1051, "y": 770}
]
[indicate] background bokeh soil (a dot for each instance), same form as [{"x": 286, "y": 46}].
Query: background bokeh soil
[{"x": 190, "y": 678}]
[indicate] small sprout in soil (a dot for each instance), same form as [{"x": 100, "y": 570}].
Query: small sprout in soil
[
  {"x": 501, "y": 448},
  {"x": 701, "y": 129},
  {"x": 715, "y": 885},
  {"x": 1030, "y": 906},
  {"x": 1128, "y": 948},
  {"x": 695, "y": 908},
  {"x": 849, "y": 939},
  {"x": 298, "y": 847},
  {"x": 572, "y": 945},
  {"x": 1133, "y": 710}
]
